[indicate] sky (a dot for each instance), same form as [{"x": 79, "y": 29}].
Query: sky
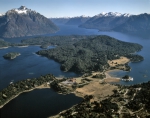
[{"x": 71, "y": 8}]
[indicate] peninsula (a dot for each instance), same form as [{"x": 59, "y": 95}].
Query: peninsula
[{"x": 92, "y": 53}]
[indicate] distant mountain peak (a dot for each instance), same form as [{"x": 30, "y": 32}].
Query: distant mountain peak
[
  {"x": 84, "y": 16},
  {"x": 25, "y": 22},
  {"x": 21, "y": 10},
  {"x": 1, "y": 14},
  {"x": 113, "y": 14}
]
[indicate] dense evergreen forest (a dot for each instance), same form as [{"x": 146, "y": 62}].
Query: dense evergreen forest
[
  {"x": 91, "y": 53},
  {"x": 142, "y": 97},
  {"x": 82, "y": 53},
  {"x": 44, "y": 42},
  {"x": 54, "y": 40},
  {"x": 15, "y": 88},
  {"x": 4, "y": 44}
]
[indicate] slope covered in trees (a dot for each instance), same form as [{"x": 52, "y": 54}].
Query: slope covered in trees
[
  {"x": 54, "y": 40},
  {"x": 90, "y": 54}
]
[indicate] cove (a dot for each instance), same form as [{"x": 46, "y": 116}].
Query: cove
[{"x": 39, "y": 103}]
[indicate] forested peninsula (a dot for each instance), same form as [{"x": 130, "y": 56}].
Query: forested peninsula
[
  {"x": 83, "y": 53},
  {"x": 14, "y": 89},
  {"x": 91, "y": 53},
  {"x": 44, "y": 42},
  {"x": 4, "y": 44}
]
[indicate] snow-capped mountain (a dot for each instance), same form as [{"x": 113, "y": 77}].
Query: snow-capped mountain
[
  {"x": 60, "y": 20},
  {"x": 1, "y": 14},
  {"x": 119, "y": 22},
  {"x": 77, "y": 20},
  {"x": 25, "y": 22},
  {"x": 106, "y": 21},
  {"x": 113, "y": 14},
  {"x": 136, "y": 24},
  {"x": 22, "y": 10}
]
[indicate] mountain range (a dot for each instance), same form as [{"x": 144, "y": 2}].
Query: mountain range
[
  {"x": 25, "y": 22},
  {"x": 111, "y": 21},
  {"x": 135, "y": 24},
  {"x": 106, "y": 21},
  {"x": 71, "y": 20}
]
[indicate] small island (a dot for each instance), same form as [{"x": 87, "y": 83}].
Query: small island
[
  {"x": 11, "y": 55},
  {"x": 127, "y": 78}
]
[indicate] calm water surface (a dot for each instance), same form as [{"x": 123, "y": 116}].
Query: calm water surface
[{"x": 38, "y": 104}]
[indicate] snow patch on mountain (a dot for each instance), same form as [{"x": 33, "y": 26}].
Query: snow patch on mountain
[
  {"x": 1, "y": 14},
  {"x": 21, "y": 10},
  {"x": 113, "y": 14}
]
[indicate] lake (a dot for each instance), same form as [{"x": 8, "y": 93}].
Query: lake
[
  {"x": 30, "y": 65},
  {"x": 38, "y": 104}
]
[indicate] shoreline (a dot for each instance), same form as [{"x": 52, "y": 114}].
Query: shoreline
[
  {"x": 44, "y": 87},
  {"x": 4, "y": 47},
  {"x": 107, "y": 80},
  {"x": 39, "y": 87},
  {"x": 22, "y": 46}
]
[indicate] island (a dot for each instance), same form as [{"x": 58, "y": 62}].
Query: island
[
  {"x": 127, "y": 78},
  {"x": 11, "y": 55}
]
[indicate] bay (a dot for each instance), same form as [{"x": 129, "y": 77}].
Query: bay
[
  {"x": 30, "y": 65},
  {"x": 38, "y": 104}
]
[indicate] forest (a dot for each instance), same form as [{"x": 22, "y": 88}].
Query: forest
[
  {"x": 91, "y": 53},
  {"x": 126, "y": 102},
  {"x": 54, "y": 40},
  {"x": 15, "y": 88},
  {"x": 141, "y": 98},
  {"x": 4, "y": 43}
]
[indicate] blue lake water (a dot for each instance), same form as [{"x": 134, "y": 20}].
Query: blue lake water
[
  {"x": 30, "y": 65},
  {"x": 38, "y": 104},
  {"x": 27, "y": 65}
]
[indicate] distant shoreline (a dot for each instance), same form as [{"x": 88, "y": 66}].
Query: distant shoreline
[
  {"x": 22, "y": 46},
  {"x": 4, "y": 47}
]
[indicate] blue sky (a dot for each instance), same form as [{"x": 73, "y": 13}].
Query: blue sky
[{"x": 61, "y": 8}]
